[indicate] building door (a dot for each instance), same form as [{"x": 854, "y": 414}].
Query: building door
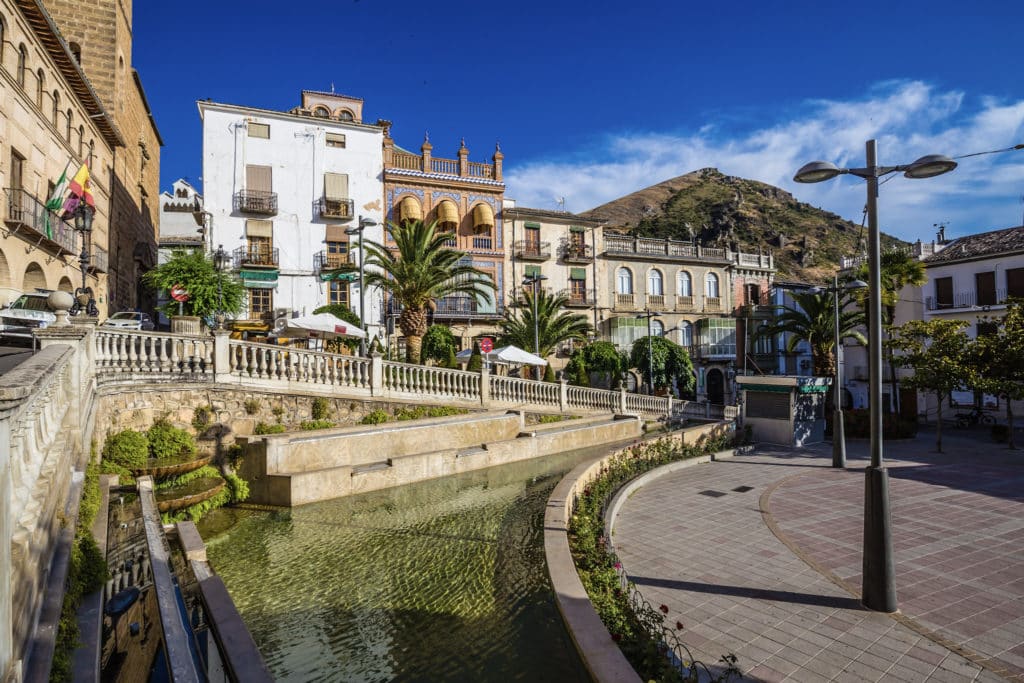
[{"x": 716, "y": 386}]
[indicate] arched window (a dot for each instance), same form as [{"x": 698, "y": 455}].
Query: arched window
[
  {"x": 624, "y": 279},
  {"x": 657, "y": 328},
  {"x": 22, "y": 64},
  {"x": 67, "y": 133},
  {"x": 345, "y": 115},
  {"x": 684, "y": 284},
  {"x": 81, "y": 140},
  {"x": 711, "y": 285},
  {"x": 321, "y": 112},
  {"x": 40, "y": 88},
  {"x": 654, "y": 282},
  {"x": 3, "y": 34},
  {"x": 685, "y": 334},
  {"x": 56, "y": 107},
  {"x": 92, "y": 151}
]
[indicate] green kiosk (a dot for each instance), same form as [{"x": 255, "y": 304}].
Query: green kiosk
[{"x": 784, "y": 409}]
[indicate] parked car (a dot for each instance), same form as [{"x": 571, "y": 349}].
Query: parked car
[
  {"x": 28, "y": 312},
  {"x": 130, "y": 320}
]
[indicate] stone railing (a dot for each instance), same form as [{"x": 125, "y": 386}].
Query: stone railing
[
  {"x": 269, "y": 362},
  {"x": 515, "y": 391},
  {"x": 640, "y": 403},
  {"x": 156, "y": 353},
  {"x": 593, "y": 399},
  {"x": 402, "y": 378}
]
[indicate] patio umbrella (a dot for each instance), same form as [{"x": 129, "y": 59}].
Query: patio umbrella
[{"x": 320, "y": 326}]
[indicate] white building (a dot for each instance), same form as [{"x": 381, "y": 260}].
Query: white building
[{"x": 281, "y": 190}]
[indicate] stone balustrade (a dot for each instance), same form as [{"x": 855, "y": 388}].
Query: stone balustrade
[
  {"x": 183, "y": 356},
  {"x": 266, "y": 361},
  {"x": 403, "y": 378}
]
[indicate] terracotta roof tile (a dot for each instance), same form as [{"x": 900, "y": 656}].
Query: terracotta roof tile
[{"x": 990, "y": 243}]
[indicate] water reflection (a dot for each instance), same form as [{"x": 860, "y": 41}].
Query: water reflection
[{"x": 441, "y": 580}]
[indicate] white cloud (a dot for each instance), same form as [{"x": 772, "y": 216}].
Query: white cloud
[{"x": 908, "y": 118}]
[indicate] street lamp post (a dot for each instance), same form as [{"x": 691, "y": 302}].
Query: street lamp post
[
  {"x": 648, "y": 313},
  {"x": 84, "y": 296},
  {"x": 220, "y": 260},
  {"x": 878, "y": 587},
  {"x": 363, "y": 224},
  {"x": 533, "y": 280}
]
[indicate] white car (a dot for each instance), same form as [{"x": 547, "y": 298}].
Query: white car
[
  {"x": 130, "y": 320},
  {"x": 28, "y": 312}
]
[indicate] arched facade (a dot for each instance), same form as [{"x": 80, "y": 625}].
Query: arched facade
[
  {"x": 34, "y": 278},
  {"x": 655, "y": 282},
  {"x": 65, "y": 284},
  {"x": 711, "y": 286},
  {"x": 684, "y": 283}
]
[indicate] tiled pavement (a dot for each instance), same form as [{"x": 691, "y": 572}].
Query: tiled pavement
[{"x": 773, "y": 574}]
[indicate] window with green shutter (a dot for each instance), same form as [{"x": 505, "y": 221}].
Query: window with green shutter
[
  {"x": 531, "y": 271},
  {"x": 577, "y": 273}
]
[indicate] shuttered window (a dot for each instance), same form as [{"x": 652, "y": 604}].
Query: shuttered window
[
  {"x": 985, "y": 287},
  {"x": 259, "y": 130},
  {"x": 336, "y": 185},
  {"x": 770, "y": 405},
  {"x": 577, "y": 273},
  {"x": 944, "y": 292},
  {"x": 259, "y": 228},
  {"x": 336, "y": 140},
  {"x": 259, "y": 178},
  {"x": 531, "y": 271},
  {"x": 1015, "y": 282}
]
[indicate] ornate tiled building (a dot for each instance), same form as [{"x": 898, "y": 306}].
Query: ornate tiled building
[
  {"x": 465, "y": 198},
  {"x": 99, "y": 35}
]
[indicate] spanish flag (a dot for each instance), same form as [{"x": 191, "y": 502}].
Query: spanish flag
[{"x": 80, "y": 190}]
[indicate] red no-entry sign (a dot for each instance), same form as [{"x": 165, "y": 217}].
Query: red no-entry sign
[{"x": 486, "y": 344}]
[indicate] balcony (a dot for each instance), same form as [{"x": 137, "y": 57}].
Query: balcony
[
  {"x": 324, "y": 261},
  {"x": 973, "y": 299},
  {"x": 333, "y": 208},
  {"x": 29, "y": 218},
  {"x": 483, "y": 242},
  {"x": 456, "y": 308},
  {"x": 250, "y": 257},
  {"x": 656, "y": 302},
  {"x": 713, "y": 304},
  {"x": 719, "y": 351},
  {"x": 625, "y": 302},
  {"x": 528, "y": 250},
  {"x": 578, "y": 298},
  {"x": 256, "y": 201},
  {"x": 577, "y": 253},
  {"x": 685, "y": 304},
  {"x": 99, "y": 260}
]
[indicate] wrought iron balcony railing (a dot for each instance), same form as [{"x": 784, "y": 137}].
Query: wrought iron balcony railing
[
  {"x": 578, "y": 298},
  {"x": 577, "y": 253},
  {"x": 973, "y": 299},
  {"x": 456, "y": 307},
  {"x": 528, "y": 250},
  {"x": 261, "y": 257},
  {"x": 326, "y": 261},
  {"x": 29, "y": 217},
  {"x": 335, "y": 208},
  {"x": 256, "y": 201},
  {"x": 99, "y": 260}
]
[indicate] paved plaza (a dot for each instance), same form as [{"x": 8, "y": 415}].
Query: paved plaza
[{"x": 772, "y": 573}]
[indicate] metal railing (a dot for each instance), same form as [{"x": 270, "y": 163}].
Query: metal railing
[
  {"x": 656, "y": 301},
  {"x": 99, "y": 261},
  {"x": 530, "y": 250},
  {"x": 324, "y": 261},
  {"x": 577, "y": 253},
  {"x": 256, "y": 201},
  {"x": 483, "y": 243},
  {"x": 578, "y": 297},
  {"x": 625, "y": 301},
  {"x": 30, "y": 217},
  {"x": 685, "y": 303},
  {"x": 255, "y": 256},
  {"x": 335, "y": 208},
  {"x": 997, "y": 297}
]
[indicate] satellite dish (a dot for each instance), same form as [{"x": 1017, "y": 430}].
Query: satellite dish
[{"x": 280, "y": 325}]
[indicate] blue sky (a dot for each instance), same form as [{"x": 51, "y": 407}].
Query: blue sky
[{"x": 592, "y": 100}]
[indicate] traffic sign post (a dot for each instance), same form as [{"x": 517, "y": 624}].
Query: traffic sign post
[
  {"x": 486, "y": 344},
  {"x": 180, "y": 294}
]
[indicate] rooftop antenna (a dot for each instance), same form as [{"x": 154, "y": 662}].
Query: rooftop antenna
[
  {"x": 561, "y": 203},
  {"x": 940, "y": 237}
]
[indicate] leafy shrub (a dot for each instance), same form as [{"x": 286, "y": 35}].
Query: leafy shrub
[
  {"x": 438, "y": 342},
  {"x": 252, "y": 406},
  {"x": 321, "y": 409},
  {"x": 1000, "y": 433},
  {"x": 167, "y": 441},
  {"x": 476, "y": 360},
  {"x": 239, "y": 488},
  {"x": 278, "y": 412},
  {"x": 196, "y": 512},
  {"x": 201, "y": 473},
  {"x": 124, "y": 475},
  {"x": 129, "y": 449},
  {"x": 310, "y": 425},
  {"x": 374, "y": 417},
  {"x": 202, "y": 416},
  {"x": 549, "y": 373},
  {"x": 264, "y": 428}
]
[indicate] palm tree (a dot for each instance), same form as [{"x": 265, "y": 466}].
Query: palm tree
[
  {"x": 418, "y": 271},
  {"x": 554, "y": 325},
  {"x": 812, "y": 319},
  {"x": 898, "y": 269}
]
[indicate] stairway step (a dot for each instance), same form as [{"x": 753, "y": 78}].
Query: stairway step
[
  {"x": 371, "y": 467},
  {"x": 472, "y": 450}
]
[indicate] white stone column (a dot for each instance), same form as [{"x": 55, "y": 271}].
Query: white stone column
[
  {"x": 563, "y": 395},
  {"x": 376, "y": 374},
  {"x": 485, "y": 387},
  {"x": 622, "y": 399},
  {"x": 221, "y": 358}
]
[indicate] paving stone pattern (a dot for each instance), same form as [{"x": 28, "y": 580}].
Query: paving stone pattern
[{"x": 790, "y": 610}]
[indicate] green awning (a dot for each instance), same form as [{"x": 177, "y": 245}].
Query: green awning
[
  {"x": 260, "y": 284},
  {"x": 577, "y": 273},
  {"x": 344, "y": 277},
  {"x": 532, "y": 225},
  {"x": 270, "y": 274},
  {"x": 531, "y": 271},
  {"x": 576, "y": 228}
]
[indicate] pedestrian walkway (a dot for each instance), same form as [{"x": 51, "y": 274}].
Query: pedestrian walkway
[{"x": 760, "y": 556}]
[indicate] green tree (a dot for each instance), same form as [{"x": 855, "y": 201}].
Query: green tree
[
  {"x": 999, "y": 359},
  {"x": 669, "y": 361},
  {"x": 420, "y": 270},
  {"x": 812, "y": 319},
  {"x": 195, "y": 272},
  {"x": 898, "y": 268},
  {"x": 598, "y": 357},
  {"x": 554, "y": 324},
  {"x": 476, "y": 359},
  {"x": 940, "y": 355},
  {"x": 438, "y": 344}
]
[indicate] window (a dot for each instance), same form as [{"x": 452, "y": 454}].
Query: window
[
  {"x": 1015, "y": 282},
  {"x": 532, "y": 236},
  {"x": 67, "y": 132},
  {"x": 345, "y": 115},
  {"x": 685, "y": 334},
  {"x": 684, "y": 284},
  {"x": 336, "y": 185},
  {"x": 985, "y": 288},
  {"x": 92, "y": 152},
  {"x": 624, "y": 281},
  {"x": 336, "y": 140},
  {"x": 259, "y": 178},
  {"x": 261, "y": 303},
  {"x": 3, "y": 29},
  {"x": 81, "y": 140},
  {"x": 711, "y": 286},
  {"x": 259, "y": 130},
  {"x": 56, "y": 107},
  {"x": 654, "y": 283},
  {"x": 337, "y": 292},
  {"x": 944, "y": 292},
  {"x": 321, "y": 111},
  {"x": 22, "y": 65},
  {"x": 17, "y": 170},
  {"x": 657, "y": 328},
  {"x": 337, "y": 253},
  {"x": 986, "y": 329},
  {"x": 40, "y": 88},
  {"x": 752, "y": 293}
]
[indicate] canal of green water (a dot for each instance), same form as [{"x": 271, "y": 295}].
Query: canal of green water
[{"x": 444, "y": 580}]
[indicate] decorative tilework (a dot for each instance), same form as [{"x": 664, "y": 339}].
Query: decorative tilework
[{"x": 454, "y": 196}]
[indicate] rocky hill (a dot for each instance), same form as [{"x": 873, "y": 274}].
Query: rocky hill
[{"x": 719, "y": 210}]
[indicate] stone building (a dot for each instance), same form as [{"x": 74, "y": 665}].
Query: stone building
[
  {"x": 51, "y": 120},
  {"x": 99, "y": 35},
  {"x": 282, "y": 191},
  {"x": 465, "y": 198}
]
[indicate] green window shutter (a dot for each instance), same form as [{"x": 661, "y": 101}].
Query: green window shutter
[
  {"x": 577, "y": 273},
  {"x": 532, "y": 225},
  {"x": 576, "y": 228},
  {"x": 531, "y": 271}
]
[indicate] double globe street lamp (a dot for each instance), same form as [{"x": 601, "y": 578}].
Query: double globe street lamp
[
  {"x": 364, "y": 223},
  {"x": 84, "y": 299},
  {"x": 878, "y": 587},
  {"x": 533, "y": 281}
]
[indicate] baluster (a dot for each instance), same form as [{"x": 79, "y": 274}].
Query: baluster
[{"x": 133, "y": 356}]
